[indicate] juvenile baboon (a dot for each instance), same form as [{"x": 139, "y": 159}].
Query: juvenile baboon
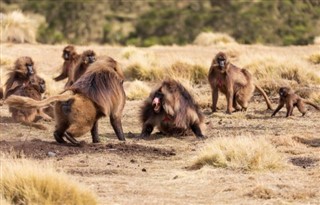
[
  {"x": 291, "y": 100},
  {"x": 87, "y": 57},
  {"x": 21, "y": 73},
  {"x": 98, "y": 92},
  {"x": 172, "y": 110},
  {"x": 33, "y": 89},
  {"x": 237, "y": 84},
  {"x": 70, "y": 57}
]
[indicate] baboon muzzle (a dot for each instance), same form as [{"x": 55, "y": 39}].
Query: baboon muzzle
[
  {"x": 156, "y": 104},
  {"x": 30, "y": 70},
  {"x": 66, "y": 56},
  {"x": 92, "y": 59}
]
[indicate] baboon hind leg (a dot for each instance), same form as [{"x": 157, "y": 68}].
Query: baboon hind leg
[
  {"x": 117, "y": 126},
  {"x": 71, "y": 138},
  {"x": 301, "y": 107},
  {"x": 196, "y": 130},
  {"x": 94, "y": 133},
  {"x": 235, "y": 104}
]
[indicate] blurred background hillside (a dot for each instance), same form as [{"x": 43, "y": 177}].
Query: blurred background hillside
[{"x": 167, "y": 22}]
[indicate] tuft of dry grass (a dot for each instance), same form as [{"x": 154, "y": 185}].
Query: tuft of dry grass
[
  {"x": 245, "y": 153},
  {"x": 193, "y": 72},
  {"x": 209, "y": 38},
  {"x": 314, "y": 58},
  {"x": 136, "y": 90},
  {"x": 28, "y": 182},
  {"x": 316, "y": 40},
  {"x": 19, "y": 28}
]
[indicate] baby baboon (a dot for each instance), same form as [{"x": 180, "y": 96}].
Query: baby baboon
[
  {"x": 172, "y": 110},
  {"x": 99, "y": 92},
  {"x": 87, "y": 57},
  {"x": 291, "y": 100},
  {"x": 21, "y": 73},
  {"x": 70, "y": 57},
  {"x": 33, "y": 89},
  {"x": 237, "y": 84}
]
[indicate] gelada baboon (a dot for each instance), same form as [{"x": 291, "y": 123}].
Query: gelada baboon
[
  {"x": 70, "y": 57},
  {"x": 87, "y": 57},
  {"x": 172, "y": 110},
  {"x": 291, "y": 100},
  {"x": 21, "y": 73},
  {"x": 33, "y": 89},
  {"x": 237, "y": 84},
  {"x": 99, "y": 92}
]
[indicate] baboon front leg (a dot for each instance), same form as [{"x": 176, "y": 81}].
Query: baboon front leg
[
  {"x": 58, "y": 136},
  {"x": 146, "y": 130},
  {"x": 215, "y": 95},
  {"x": 117, "y": 127},
  {"x": 289, "y": 110},
  {"x": 277, "y": 109},
  {"x": 71, "y": 138},
  {"x": 94, "y": 133},
  {"x": 229, "y": 101},
  {"x": 196, "y": 130}
]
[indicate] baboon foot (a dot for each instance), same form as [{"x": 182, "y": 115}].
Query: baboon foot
[
  {"x": 58, "y": 137},
  {"x": 244, "y": 109}
]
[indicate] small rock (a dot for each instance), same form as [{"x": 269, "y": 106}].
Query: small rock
[
  {"x": 144, "y": 170},
  {"x": 51, "y": 154},
  {"x": 133, "y": 161},
  {"x": 175, "y": 177}
]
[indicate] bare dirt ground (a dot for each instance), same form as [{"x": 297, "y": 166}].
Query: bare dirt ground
[{"x": 156, "y": 170}]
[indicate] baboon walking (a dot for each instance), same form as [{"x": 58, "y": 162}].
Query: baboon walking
[{"x": 237, "y": 84}]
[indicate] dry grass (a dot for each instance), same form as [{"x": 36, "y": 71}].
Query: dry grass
[
  {"x": 136, "y": 90},
  {"x": 19, "y": 28},
  {"x": 209, "y": 38},
  {"x": 245, "y": 153},
  {"x": 316, "y": 40},
  {"x": 315, "y": 58},
  {"x": 28, "y": 182}
]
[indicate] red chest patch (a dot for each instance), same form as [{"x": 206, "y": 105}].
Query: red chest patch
[
  {"x": 219, "y": 82},
  {"x": 167, "y": 118}
]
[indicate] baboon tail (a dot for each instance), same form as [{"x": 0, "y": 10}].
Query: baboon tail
[
  {"x": 265, "y": 97},
  {"x": 26, "y": 102},
  {"x": 35, "y": 125},
  {"x": 312, "y": 104}
]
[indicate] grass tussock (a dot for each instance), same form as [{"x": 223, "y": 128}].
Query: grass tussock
[
  {"x": 136, "y": 90},
  {"x": 209, "y": 39},
  {"x": 19, "y": 28},
  {"x": 316, "y": 40},
  {"x": 315, "y": 58},
  {"x": 245, "y": 153},
  {"x": 282, "y": 70},
  {"x": 26, "y": 182}
]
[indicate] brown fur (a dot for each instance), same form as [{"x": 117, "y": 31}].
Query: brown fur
[
  {"x": 19, "y": 75},
  {"x": 291, "y": 100},
  {"x": 172, "y": 110},
  {"x": 70, "y": 57},
  {"x": 86, "y": 58},
  {"x": 237, "y": 84},
  {"x": 33, "y": 90},
  {"x": 99, "y": 92}
]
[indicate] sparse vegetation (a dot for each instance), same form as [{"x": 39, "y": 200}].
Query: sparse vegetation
[
  {"x": 136, "y": 90},
  {"x": 209, "y": 39},
  {"x": 315, "y": 58},
  {"x": 25, "y": 181},
  {"x": 245, "y": 153}
]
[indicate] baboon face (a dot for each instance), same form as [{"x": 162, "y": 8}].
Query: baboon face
[
  {"x": 40, "y": 83},
  {"x": 221, "y": 60},
  {"x": 89, "y": 57},
  {"x": 25, "y": 66},
  {"x": 157, "y": 101},
  {"x": 283, "y": 91},
  {"x": 68, "y": 52}
]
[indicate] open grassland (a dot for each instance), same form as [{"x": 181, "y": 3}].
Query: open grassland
[{"x": 248, "y": 158}]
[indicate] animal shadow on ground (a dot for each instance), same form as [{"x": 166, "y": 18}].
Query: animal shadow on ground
[
  {"x": 39, "y": 149},
  {"x": 304, "y": 162},
  {"x": 315, "y": 142}
]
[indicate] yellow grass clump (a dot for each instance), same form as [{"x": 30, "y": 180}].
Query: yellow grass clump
[
  {"x": 136, "y": 90},
  {"x": 315, "y": 58},
  {"x": 245, "y": 153},
  {"x": 193, "y": 72},
  {"x": 316, "y": 40},
  {"x": 19, "y": 28},
  {"x": 24, "y": 181},
  {"x": 209, "y": 38}
]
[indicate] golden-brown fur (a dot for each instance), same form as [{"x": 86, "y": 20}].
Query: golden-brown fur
[
  {"x": 172, "y": 110},
  {"x": 70, "y": 57},
  {"x": 21, "y": 73},
  {"x": 32, "y": 89},
  {"x": 87, "y": 57},
  {"x": 291, "y": 100},
  {"x": 99, "y": 92},
  {"x": 237, "y": 84}
]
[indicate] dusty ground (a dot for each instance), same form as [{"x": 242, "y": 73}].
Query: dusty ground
[{"x": 155, "y": 171}]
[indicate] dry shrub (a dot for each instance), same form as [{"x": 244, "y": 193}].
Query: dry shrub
[
  {"x": 19, "y": 28},
  {"x": 261, "y": 192},
  {"x": 315, "y": 58},
  {"x": 245, "y": 153},
  {"x": 209, "y": 38},
  {"x": 315, "y": 97},
  {"x": 194, "y": 73},
  {"x": 280, "y": 69},
  {"x": 28, "y": 182},
  {"x": 136, "y": 90},
  {"x": 316, "y": 40}
]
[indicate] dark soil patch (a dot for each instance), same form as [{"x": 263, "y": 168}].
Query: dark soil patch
[
  {"x": 39, "y": 149},
  {"x": 310, "y": 142},
  {"x": 303, "y": 162}
]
